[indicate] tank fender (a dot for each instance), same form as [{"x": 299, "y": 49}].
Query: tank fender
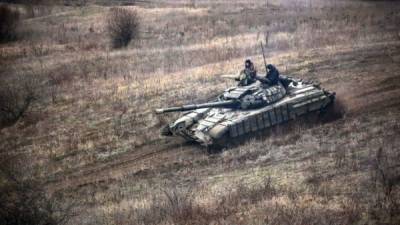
[
  {"x": 218, "y": 131},
  {"x": 188, "y": 120},
  {"x": 204, "y": 138}
]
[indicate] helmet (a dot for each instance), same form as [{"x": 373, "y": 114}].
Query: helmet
[{"x": 248, "y": 63}]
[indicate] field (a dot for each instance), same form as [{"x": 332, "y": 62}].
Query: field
[{"x": 91, "y": 136}]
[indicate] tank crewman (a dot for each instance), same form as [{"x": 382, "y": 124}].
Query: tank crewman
[
  {"x": 272, "y": 77},
  {"x": 248, "y": 75}
]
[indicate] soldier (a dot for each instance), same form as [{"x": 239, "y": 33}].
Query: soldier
[
  {"x": 272, "y": 75},
  {"x": 248, "y": 75}
]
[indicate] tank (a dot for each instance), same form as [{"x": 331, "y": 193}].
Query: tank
[{"x": 241, "y": 111}]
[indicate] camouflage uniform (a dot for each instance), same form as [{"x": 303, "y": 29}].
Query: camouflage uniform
[{"x": 248, "y": 75}]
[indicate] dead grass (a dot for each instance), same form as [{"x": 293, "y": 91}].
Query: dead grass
[{"x": 94, "y": 136}]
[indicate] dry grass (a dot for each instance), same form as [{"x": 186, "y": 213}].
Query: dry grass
[{"x": 93, "y": 135}]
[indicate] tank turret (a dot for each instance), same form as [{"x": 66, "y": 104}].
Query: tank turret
[{"x": 248, "y": 97}]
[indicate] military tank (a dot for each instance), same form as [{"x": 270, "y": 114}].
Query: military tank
[{"x": 243, "y": 110}]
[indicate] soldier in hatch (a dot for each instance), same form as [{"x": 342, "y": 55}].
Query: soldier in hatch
[
  {"x": 272, "y": 77},
  {"x": 248, "y": 75}
]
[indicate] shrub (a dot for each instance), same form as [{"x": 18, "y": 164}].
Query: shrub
[
  {"x": 24, "y": 203},
  {"x": 122, "y": 27},
  {"x": 16, "y": 95},
  {"x": 23, "y": 200},
  {"x": 9, "y": 20}
]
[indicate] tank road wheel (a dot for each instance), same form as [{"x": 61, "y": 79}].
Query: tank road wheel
[
  {"x": 210, "y": 150},
  {"x": 215, "y": 147}
]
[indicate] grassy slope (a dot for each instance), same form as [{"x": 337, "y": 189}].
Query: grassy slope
[{"x": 98, "y": 140}]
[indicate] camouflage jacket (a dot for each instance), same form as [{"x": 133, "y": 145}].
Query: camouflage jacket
[{"x": 247, "y": 77}]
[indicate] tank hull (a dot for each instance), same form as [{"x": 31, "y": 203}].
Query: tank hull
[{"x": 211, "y": 126}]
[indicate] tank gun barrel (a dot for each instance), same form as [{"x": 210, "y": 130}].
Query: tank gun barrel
[
  {"x": 231, "y": 76},
  {"x": 219, "y": 104}
]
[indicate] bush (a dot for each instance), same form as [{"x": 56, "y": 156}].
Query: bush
[
  {"x": 24, "y": 200},
  {"x": 23, "y": 203},
  {"x": 122, "y": 27},
  {"x": 9, "y": 20},
  {"x": 16, "y": 95}
]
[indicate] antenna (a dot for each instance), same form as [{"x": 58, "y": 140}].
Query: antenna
[{"x": 265, "y": 62}]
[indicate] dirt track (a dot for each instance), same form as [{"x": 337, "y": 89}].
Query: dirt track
[{"x": 366, "y": 80}]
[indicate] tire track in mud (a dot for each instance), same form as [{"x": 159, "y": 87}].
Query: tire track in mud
[{"x": 116, "y": 166}]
